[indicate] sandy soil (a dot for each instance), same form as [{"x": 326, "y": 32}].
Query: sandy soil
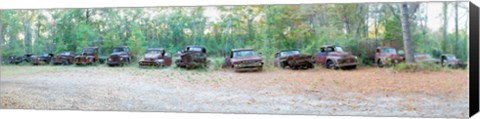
[{"x": 364, "y": 91}]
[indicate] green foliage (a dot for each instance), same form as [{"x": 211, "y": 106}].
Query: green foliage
[
  {"x": 267, "y": 29},
  {"x": 417, "y": 67}
]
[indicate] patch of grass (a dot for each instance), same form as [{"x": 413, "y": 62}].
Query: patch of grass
[{"x": 417, "y": 67}]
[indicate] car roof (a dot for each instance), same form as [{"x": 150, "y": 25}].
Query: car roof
[
  {"x": 287, "y": 50},
  {"x": 242, "y": 49},
  {"x": 385, "y": 47},
  {"x": 329, "y": 46},
  {"x": 195, "y": 46},
  {"x": 121, "y": 47},
  {"x": 91, "y": 47},
  {"x": 156, "y": 49}
]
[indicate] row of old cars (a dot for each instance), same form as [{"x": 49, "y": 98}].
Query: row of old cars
[{"x": 243, "y": 59}]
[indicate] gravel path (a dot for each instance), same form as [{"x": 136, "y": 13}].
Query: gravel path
[{"x": 361, "y": 92}]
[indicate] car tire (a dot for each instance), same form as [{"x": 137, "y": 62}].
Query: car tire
[
  {"x": 259, "y": 68},
  {"x": 380, "y": 63},
  {"x": 282, "y": 65},
  {"x": 331, "y": 65}
]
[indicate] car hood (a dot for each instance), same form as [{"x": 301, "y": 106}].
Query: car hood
[
  {"x": 340, "y": 54},
  {"x": 391, "y": 55},
  {"x": 298, "y": 56},
  {"x": 118, "y": 53},
  {"x": 152, "y": 55},
  {"x": 247, "y": 58}
]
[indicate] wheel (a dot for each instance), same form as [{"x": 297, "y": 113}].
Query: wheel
[
  {"x": 282, "y": 65},
  {"x": 259, "y": 68},
  {"x": 64, "y": 62},
  {"x": 331, "y": 65},
  {"x": 380, "y": 63},
  {"x": 310, "y": 65}
]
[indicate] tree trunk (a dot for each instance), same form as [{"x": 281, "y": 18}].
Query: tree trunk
[
  {"x": 456, "y": 29},
  {"x": 407, "y": 42},
  {"x": 444, "y": 31},
  {"x": 28, "y": 36}
]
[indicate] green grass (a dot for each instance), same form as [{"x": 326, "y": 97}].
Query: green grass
[{"x": 417, "y": 67}]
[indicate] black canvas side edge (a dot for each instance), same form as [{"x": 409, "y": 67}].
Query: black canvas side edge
[{"x": 474, "y": 61}]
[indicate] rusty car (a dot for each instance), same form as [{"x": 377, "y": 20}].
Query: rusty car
[
  {"x": 425, "y": 58},
  {"x": 244, "y": 59},
  {"x": 156, "y": 57},
  {"x": 191, "y": 57},
  {"x": 19, "y": 59},
  {"x": 449, "y": 60},
  {"x": 120, "y": 56},
  {"x": 387, "y": 56},
  {"x": 88, "y": 56},
  {"x": 43, "y": 58},
  {"x": 64, "y": 58},
  {"x": 333, "y": 57},
  {"x": 292, "y": 59}
]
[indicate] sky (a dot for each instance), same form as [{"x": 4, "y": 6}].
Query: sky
[{"x": 434, "y": 11}]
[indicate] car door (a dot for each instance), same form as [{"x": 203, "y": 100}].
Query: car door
[
  {"x": 276, "y": 60},
  {"x": 321, "y": 57},
  {"x": 228, "y": 61}
]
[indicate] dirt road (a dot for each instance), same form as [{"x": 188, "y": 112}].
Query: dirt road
[{"x": 364, "y": 91}]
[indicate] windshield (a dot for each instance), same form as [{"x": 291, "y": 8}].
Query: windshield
[
  {"x": 154, "y": 52},
  {"x": 66, "y": 53},
  {"x": 88, "y": 50},
  {"x": 288, "y": 53},
  {"x": 451, "y": 57},
  {"x": 422, "y": 56},
  {"x": 389, "y": 50},
  {"x": 336, "y": 48},
  {"x": 45, "y": 55},
  {"x": 195, "y": 49},
  {"x": 244, "y": 53},
  {"x": 118, "y": 50}
]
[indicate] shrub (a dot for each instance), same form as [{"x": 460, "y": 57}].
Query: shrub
[{"x": 421, "y": 66}]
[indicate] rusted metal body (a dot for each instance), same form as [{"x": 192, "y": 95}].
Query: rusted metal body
[
  {"x": 64, "y": 58},
  {"x": 155, "y": 57},
  {"x": 191, "y": 57},
  {"x": 44, "y": 58},
  {"x": 120, "y": 56},
  {"x": 422, "y": 58},
  {"x": 20, "y": 59},
  {"x": 244, "y": 59},
  {"x": 88, "y": 56},
  {"x": 292, "y": 59},
  {"x": 334, "y": 57},
  {"x": 387, "y": 56},
  {"x": 449, "y": 60}
]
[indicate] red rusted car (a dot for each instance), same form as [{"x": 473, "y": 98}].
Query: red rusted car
[
  {"x": 386, "y": 56},
  {"x": 19, "y": 59},
  {"x": 88, "y": 56},
  {"x": 191, "y": 57},
  {"x": 244, "y": 59},
  {"x": 333, "y": 57},
  {"x": 292, "y": 59},
  {"x": 43, "y": 58},
  {"x": 156, "y": 57},
  {"x": 422, "y": 58},
  {"x": 449, "y": 60},
  {"x": 120, "y": 56},
  {"x": 64, "y": 58}
]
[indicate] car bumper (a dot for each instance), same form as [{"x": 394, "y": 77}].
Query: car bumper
[
  {"x": 347, "y": 64},
  {"x": 150, "y": 63}
]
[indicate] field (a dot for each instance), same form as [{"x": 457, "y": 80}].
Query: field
[{"x": 365, "y": 91}]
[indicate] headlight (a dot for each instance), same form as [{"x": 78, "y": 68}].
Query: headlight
[
  {"x": 121, "y": 58},
  {"x": 109, "y": 59}
]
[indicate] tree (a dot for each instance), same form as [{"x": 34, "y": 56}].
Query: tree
[{"x": 407, "y": 42}]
